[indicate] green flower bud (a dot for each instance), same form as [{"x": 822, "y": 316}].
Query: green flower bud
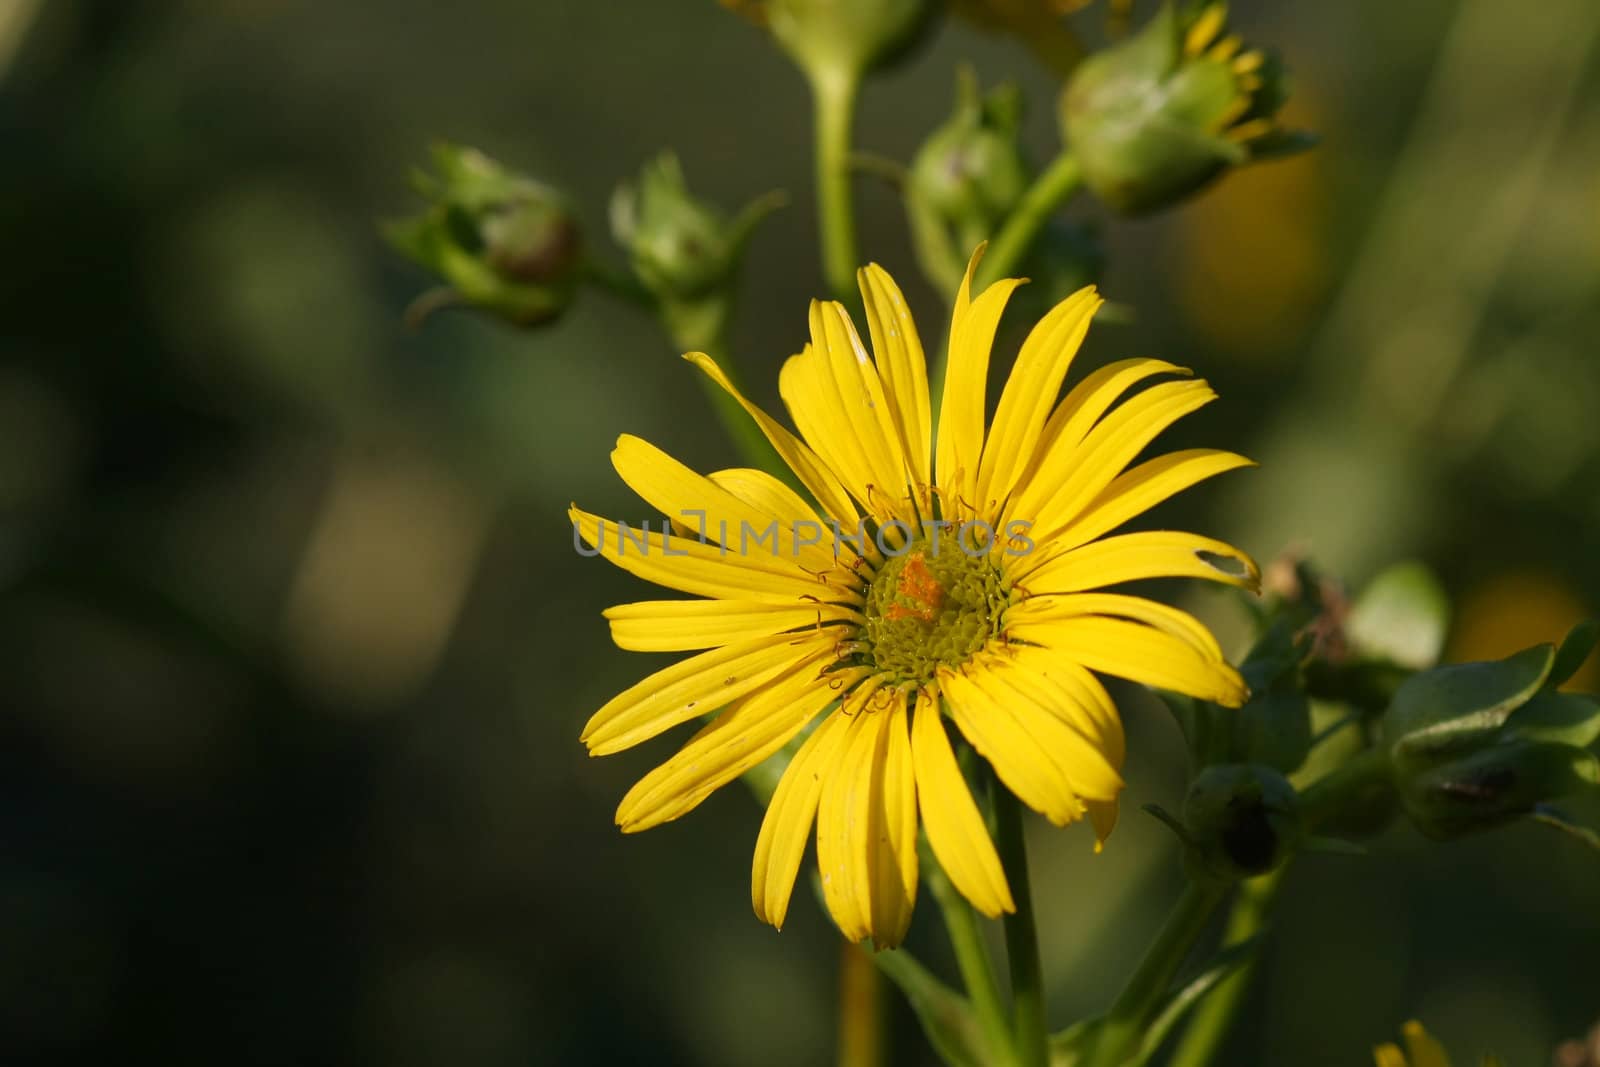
[
  {"x": 681, "y": 248},
  {"x": 1240, "y": 820},
  {"x": 1155, "y": 118},
  {"x": 971, "y": 171},
  {"x": 1495, "y": 784},
  {"x": 841, "y": 39},
  {"x": 499, "y": 240},
  {"x": 1476, "y": 744},
  {"x": 1439, "y": 714}
]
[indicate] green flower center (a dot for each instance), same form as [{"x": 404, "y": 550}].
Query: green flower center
[{"x": 927, "y": 609}]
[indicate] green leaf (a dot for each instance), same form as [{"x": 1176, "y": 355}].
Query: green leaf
[
  {"x": 1575, "y": 648},
  {"x": 1444, "y": 709},
  {"x": 1184, "y": 999},
  {"x": 1568, "y": 718},
  {"x": 1068, "y": 1047},
  {"x": 1401, "y": 616},
  {"x": 945, "y": 1016},
  {"x": 1274, "y": 728}
]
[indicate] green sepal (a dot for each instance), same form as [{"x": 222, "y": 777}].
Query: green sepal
[
  {"x": 1450, "y": 708},
  {"x": 1495, "y": 784},
  {"x": 1565, "y": 718},
  {"x": 1240, "y": 820},
  {"x": 1274, "y": 729},
  {"x": 1575, "y": 648}
]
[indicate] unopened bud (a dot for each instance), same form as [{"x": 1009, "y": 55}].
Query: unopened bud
[
  {"x": 499, "y": 240},
  {"x": 1155, "y": 118},
  {"x": 1240, "y": 820},
  {"x": 681, "y": 247},
  {"x": 1476, "y": 744}
]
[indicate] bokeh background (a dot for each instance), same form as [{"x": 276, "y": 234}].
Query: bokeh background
[{"x": 294, "y": 649}]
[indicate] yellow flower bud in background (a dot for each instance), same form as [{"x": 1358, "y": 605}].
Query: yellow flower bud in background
[{"x": 1155, "y": 118}]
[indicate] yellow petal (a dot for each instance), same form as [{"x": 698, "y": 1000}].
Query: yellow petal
[
  {"x": 761, "y": 537},
  {"x": 1112, "y": 445},
  {"x": 1389, "y": 1056},
  {"x": 762, "y": 490},
  {"x": 740, "y": 738},
  {"x": 956, "y": 830},
  {"x": 1103, "y": 817},
  {"x": 1029, "y": 394},
  {"x": 901, "y": 365},
  {"x": 841, "y": 852},
  {"x": 833, "y": 392},
  {"x": 1141, "y": 488},
  {"x": 1080, "y": 700},
  {"x": 1135, "y": 556},
  {"x": 1071, "y": 422},
  {"x": 1036, "y": 704},
  {"x": 1423, "y": 1049},
  {"x": 1179, "y": 624},
  {"x": 891, "y": 835},
  {"x": 685, "y": 625},
  {"x": 822, "y": 483},
  {"x": 960, "y": 445},
  {"x": 687, "y": 565},
  {"x": 784, "y": 829},
  {"x": 694, "y": 687},
  {"x": 1001, "y": 736},
  {"x": 1139, "y": 653}
]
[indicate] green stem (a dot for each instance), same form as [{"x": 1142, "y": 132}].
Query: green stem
[
  {"x": 1010, "y": 246},
  {"x": 1124, "y": 1025},
  {"x": 1325, "y": 798},
  {"x": 1214, "y": 1017},
  {"x": 1320, "y": 802},
  {"x": 834, "y": 97},
  {"x": 972, "y": 960},
  {"x": 860, "y": 1008},
  {"x": 1022, "y": 938}
]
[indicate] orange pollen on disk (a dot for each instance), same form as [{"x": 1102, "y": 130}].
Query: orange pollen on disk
[{"x": 918, "y": 594}]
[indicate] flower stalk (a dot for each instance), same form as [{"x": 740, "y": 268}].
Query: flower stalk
[
  {"x": 834, "y": 94},
  {"x": 1130, "y": 1014},
  {"x": 1022, "y": 937}
]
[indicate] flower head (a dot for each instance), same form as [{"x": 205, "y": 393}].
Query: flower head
[
  {"x": 958, "y": 579},
  {"x": 1156, "y": 117}
]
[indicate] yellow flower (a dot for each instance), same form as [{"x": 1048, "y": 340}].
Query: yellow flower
[
  {"x": 1421, "y": 1050},
  {"x": 963, "y": 579}
]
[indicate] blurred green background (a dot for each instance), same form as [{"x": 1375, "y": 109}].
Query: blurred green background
[{"x": 296, "y": 650}]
